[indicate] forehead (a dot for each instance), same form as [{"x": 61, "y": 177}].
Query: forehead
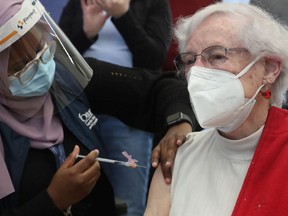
[
  {"x": 32, "y": 37},
  {"x": 24, "y": 50},
  {"x": 27, "y": 44},
  {"x": 217, "y": 29}
]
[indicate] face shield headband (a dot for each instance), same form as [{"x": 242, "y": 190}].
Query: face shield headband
[{"x": 20, "y": 23}]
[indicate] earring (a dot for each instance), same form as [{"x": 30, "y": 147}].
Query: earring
[{"x": 267, "y": 93}]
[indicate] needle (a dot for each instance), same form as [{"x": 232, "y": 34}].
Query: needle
[{"x": 105, "y": 160}]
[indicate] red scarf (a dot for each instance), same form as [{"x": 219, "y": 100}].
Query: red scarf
[{"x": 265, "y": 188}]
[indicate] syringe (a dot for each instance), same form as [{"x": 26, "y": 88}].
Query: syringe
[{"x": 122, "y": 163}]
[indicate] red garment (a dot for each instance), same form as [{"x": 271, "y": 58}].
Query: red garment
[
  {"x": 265, "y": 188},
  {"x": 181, "y": 8}
]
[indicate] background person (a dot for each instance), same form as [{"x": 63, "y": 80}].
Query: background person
[{"x": 237, "y": 78}]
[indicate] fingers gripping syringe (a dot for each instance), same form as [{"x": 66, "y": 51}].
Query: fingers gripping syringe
[{"x": 122, "y": 163}]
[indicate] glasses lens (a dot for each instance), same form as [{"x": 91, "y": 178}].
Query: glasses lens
[
  {"x": 28, "y": 73},
  {"x": 215, "y": 55},
  {"x": 184, "y": 62},
  {"x": 48, "y": 52}
]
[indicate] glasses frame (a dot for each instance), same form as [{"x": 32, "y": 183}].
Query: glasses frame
[{"x": 179, "y": 66}]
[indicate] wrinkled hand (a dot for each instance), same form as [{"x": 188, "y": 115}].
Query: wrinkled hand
[
  {"x": 115, "y": 8},
  {"x": 94, "y": 18},
  {"x": 72, "y": 182},
  {"x": 166, "y": 150}
]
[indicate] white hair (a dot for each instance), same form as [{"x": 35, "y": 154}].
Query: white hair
[{"x": 259, "y": 32}]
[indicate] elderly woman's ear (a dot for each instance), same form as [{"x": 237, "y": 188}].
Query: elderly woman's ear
[{"x": 273, "y": 67}]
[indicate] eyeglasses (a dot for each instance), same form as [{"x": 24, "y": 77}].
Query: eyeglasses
[
  {"x": 28, "y": 72},
  {"x": 214, "y": 56}
]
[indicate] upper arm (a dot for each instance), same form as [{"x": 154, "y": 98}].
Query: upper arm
[{"x": 158, "y": 203}]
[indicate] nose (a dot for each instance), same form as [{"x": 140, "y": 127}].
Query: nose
[{"x": 199, "y": 61}]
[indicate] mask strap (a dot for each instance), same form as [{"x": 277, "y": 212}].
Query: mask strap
[
  {"x": 258, "y": 90},
  {"x": 247, "y": 68}
]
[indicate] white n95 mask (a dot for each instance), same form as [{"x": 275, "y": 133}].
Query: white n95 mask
[{"x": 217, "y": 97}]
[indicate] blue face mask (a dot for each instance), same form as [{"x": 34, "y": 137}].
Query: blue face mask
[{"x": 38, "y": 85}]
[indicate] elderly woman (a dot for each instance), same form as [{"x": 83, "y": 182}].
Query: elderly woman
[{"x": 234, "y": 57}]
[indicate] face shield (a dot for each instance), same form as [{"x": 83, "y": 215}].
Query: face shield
[{"x": 35, "y": 43}]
